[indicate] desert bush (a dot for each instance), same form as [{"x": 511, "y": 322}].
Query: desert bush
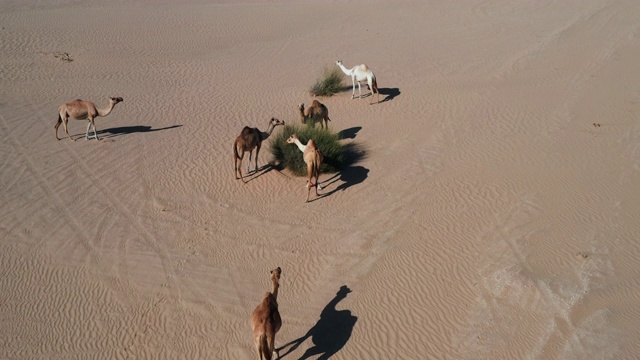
[
  {"x": 290, "y": 157},
  {"x": 329, "y": 83}
]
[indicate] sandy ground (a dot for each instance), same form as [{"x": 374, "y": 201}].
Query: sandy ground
[{"x": 494, "y": 214}]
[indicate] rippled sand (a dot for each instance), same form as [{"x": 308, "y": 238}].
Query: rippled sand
[{"x": 494, "y": 214}]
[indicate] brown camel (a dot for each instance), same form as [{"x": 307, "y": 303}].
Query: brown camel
[
  {"x": 317, "y": 112},
  {"x": 266, "y": 321},
  {"x": 249, "y": 139},
  {"x": 81, "y": 110},
  {"x": 313, "y": 158}
]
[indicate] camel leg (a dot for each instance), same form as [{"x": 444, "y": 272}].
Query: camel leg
[
  {"x": 249, "y": 164},
  {"x": 272, "y": 349},
  {"x": 86, "y": 135},
  {"x": 309, "y": 178},
  {"x": 56, "y": 127},
  {"x": 353, "y": 88},
  {"x": 257, "y": 151},
  {"x": 240, "y": 166},
  {"x": 64, "y": 123},
  {"x": 95, "y": 134}
]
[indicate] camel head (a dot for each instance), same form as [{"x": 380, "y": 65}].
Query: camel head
[
  {"x": 301, "y": 106},
  {"x": 292, "y": 139},
  {"x": 115, "y": 100},
  {"x": 275, "y": 122},
  {"x": 275, "y": 273},
  {"x": 339, "y": 62}
]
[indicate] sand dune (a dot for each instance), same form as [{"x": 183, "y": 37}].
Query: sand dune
[{"x": 493, "y": 215}]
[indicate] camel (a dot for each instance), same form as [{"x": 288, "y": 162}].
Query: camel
[
  {"x": 360, "y": 73},
  {"x": 316, "y": 112},
  {"x": 80, "y": 110},
  {"x": 313, "y": 157},
  {"x": 249, "y": 139},
  {"x": 266, "y": 321}
]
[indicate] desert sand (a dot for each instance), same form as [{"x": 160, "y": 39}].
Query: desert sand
[{"x": 493, "y": 215}]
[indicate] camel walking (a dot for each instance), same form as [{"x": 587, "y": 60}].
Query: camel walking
[
  {"x": 249, "y": 139},
  {"x": 316, "y": 112},
  {"x": 360, "y": 73},
  {"x": 81, "y": 110},
  {"x": 266, "y": 321},
  {"x": 313, "y": 157}
]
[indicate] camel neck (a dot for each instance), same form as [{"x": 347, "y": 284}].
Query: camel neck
[
  {"x": 265, "y": 134},
  {"x": 275, "y": 290},
  {"x": 345, "y": 70},
  {"x": 300, "y": 146},
  {"x": 106, "y": 110}
]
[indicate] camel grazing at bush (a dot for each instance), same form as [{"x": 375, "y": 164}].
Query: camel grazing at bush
[
  {"x": 249, "y": 139},
  {"x": 81, "y": 110},
  {"x": 313, "y": 158},
  {"x": 266, "y": 321},
  {"x": 317, "y": 112},
  {"x": 360, "y": 73}
]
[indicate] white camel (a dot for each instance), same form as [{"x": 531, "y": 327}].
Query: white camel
[
  {"x": 360, "y": 73},
  {"x": 81, "y": 110}
]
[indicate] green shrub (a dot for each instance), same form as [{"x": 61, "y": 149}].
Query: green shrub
[
  {"x": 329, "y": 83},
  {"x": 290, "y": 157}
]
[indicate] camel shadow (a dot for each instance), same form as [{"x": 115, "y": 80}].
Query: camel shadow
[
  {"x": 330, "y": 333},
  {"x": 350, "y": 176},
  {"x": 349, "y": 133},
  {"x": 125, "y": 130},
  {"x": 261, "y": 171},
  {"x": 390, "y": 93}
]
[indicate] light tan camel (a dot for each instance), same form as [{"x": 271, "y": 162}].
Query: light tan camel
[
  {"x": 81, "y": 110},
  {"x": 266, "y": 321},
  {"x": 313, "y": 158},
  {"x": 249, "y": 139},
  {"x": 316, "y": 112},
  {"x": 360, "y": 73}
]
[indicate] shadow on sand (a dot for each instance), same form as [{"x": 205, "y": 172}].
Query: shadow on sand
[
  {"x": 125, "y": 130},
  {"x": 330, "y": 333},
  {"x": 252, "y": 175},
  {"x": 389, "y": 93},
  {"x": 349, "y": 133},
  {"x": 350, "y": 174}
]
